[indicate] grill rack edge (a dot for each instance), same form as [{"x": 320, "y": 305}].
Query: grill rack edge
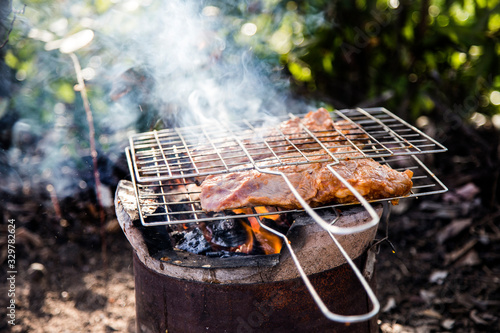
[
  {"x": 176, "y": 153},
  {"x": 367, "y": 121}
]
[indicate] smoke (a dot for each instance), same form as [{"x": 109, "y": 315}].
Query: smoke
[
  {"x": 197, "y": 71},
  {"x": 173, "y": 61}
]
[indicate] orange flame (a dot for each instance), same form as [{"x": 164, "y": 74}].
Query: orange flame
[
  {"x": 262, "y": 210},
  {"x": 247, "y": 247},
  {"x": 242, "y": 211},
  {"x": 269, "y": 242}
]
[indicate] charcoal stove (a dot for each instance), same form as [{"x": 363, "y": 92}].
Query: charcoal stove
[{"x": 323, "y": 278}]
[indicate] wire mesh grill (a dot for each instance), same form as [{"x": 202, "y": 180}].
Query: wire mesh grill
[
  {"x": 218, "y": 147},
  {"x": 177, "y": 201},
  {"x": 167, "y": 165}
]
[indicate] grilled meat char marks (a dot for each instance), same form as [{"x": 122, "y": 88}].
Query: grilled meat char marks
[
  {"x": 280, "y": 140},
  {"x": 314, "y": 182}
]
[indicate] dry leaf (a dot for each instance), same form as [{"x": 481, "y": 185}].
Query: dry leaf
[
  {"x": 469, "y": 259},
  {"x": 431, "y": 314},
  {"x": 460, "y": 252},
  {"x": 468, "y": 191},
  {"x": 461, "y": 194},
  {"x": 452, "y": 229},
  {"x": 438, "y": 277},
  {"x": 391, "y": 304},
  {"x": 477, "y": 319},
  {"x": 448, "y": 324},
  {"x": 427, "y": 295}
]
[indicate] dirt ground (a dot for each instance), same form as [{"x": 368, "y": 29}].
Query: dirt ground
[
  {"x": 67, "y": 289},
  {"x": 443, "y": 274}
]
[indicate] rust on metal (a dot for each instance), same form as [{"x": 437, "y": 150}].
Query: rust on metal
[{"x": 164, "y": 303}]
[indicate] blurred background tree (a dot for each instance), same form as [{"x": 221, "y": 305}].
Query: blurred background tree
[
  {"x": 433, "y": 58},
  {"x": 412, "y": 57}
]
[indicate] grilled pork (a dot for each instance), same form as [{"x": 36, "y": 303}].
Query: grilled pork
[
  {"x": 314, "y": 182},
  {"x": 281, "y": 140}
]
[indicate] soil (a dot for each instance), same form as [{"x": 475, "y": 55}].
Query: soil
[{"x": 438, "y": 270}]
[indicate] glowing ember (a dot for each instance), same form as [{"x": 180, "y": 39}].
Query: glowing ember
[
  {"x": 247, "y": 247},
  {"x": 240, "y": 232}
]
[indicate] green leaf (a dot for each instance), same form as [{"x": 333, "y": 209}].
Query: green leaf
[
  {"x": 11, "y": 60},
  {"x": 102, "y": 5},
  {"x": 300, "y": 73},
  {"x": 327, "y": 63},
  {"x": 494, "y": 23},
  {"x": 65, "y": 92}
]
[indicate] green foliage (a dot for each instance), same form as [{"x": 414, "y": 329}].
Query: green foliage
[
  {"x": 428, "y": 54},
  {"x": 411, "y": 56},
  {"x": 342, "y": 52}
]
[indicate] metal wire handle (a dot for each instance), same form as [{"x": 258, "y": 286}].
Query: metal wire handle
[
  {"x": 318, "y": 219},
  {"x": 325, "y": 225},
  {"x": 331, "y": 231},
  {"x": 317, "y": 299}
]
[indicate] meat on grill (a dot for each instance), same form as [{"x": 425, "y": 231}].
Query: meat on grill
[
  {"x": 314, "y": 182},
  {"x": 280, "y": 139},
  {"x": 324, "y": 128}
]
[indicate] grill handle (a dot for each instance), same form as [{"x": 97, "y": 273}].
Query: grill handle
[
  {"x": 325, "y": 225},
  {"x": 317, "y": 299},
  {"x": 318, "y": 219}
]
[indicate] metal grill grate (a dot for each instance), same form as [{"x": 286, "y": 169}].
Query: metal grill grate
[
  {"x": 165, "y": 166},
  {"x": 177, "y": 201},
  {"x": 217, "y": 147}
]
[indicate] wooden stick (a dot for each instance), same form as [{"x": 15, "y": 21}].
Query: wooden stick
[
  {"x": 93, "y": 153},
  {"x": 11, "y": 27}
]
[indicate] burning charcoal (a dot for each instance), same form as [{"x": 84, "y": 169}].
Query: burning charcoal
[
  {"x": 176, "y": 236},
  {"x": 194, "y": 242},
  {"x": 227, "y": 233},
  {"x": 156, "y": 238},
  {"x": 280, "y": 224}
]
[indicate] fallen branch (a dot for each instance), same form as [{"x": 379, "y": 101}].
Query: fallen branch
[
  {"x": 12, "y": 27},
  {"x": 93, "y": 152},
  {"x": 457, "y": 254}
]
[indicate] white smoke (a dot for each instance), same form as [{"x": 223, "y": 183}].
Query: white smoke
[
  {"x": 186, "y": 68},
  {"x": 198, "y": 71}
]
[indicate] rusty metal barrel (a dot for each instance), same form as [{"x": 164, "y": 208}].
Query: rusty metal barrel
[{"x": 178, "y": 292}]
